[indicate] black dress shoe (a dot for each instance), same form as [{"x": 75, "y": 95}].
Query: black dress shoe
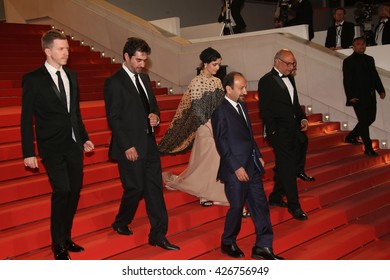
[
  {"x": 60, "y": 253},
  {"x": 264, "y": 253},
  {"x": 73, "y": 247},
  {"x": 164, "y": 244},
  {"x": 352, "y": 141},
  {"x": 305, "y": 177},
  {"x": 371, "y": 153},
  {"x": 232, "y": 250},
  {"x": 278, "y": 203},
  {"x": 298, "y": 214},
  {"x": 123, "y": 230}
]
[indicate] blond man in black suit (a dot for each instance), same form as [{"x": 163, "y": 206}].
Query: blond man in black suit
[{"x": 50, "y": 95}]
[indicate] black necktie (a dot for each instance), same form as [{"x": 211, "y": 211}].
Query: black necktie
[
  {"x": 142, "y": 94},
  {"x": 62, "y": 89},
  {"x": 241, "y": 113},
  {"x": 144, "y": 99}
]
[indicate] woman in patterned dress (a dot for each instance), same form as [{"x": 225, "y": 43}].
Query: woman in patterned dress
[{"x": 191, "y": 129}]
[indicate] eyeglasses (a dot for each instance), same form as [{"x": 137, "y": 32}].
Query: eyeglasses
[{"x": 289, "y": 64}]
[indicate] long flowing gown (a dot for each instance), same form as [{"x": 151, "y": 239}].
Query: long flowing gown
[{"x": 191, "y": 129}]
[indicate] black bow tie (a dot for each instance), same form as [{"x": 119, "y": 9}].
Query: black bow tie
[
  {"x": 283, "y": 76},
  {"x": 339, "y": 25}
]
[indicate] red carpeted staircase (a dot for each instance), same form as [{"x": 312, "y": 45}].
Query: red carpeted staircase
[{"x": 348, "y": 204}]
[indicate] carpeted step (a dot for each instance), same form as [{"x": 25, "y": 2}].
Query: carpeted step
[
  {"x": 10, "y": 101},
  {"x": 320, "y": 222},
  {"x": 334, "y": 170},
  {"x": 323, "y": 168},
  {"x": 81, "y": 74},
  {"x": 195, "y": 241},
  {"x": 34, "y": 43},
  {"x": 36, "y": 235},
  {"x": 74, "y": 55},
  {"x": 36, "y": 182},
  {"x": 4, "y": 84},
  {"x": 11, "y": 92},
  {"x": 332, "y": 245},
  {"x": 21, "y": 28},
  {"x": 376, "y": 250},
  {"x": 38, "y": 208},
  {"x": 285, "y": 238},
  {"x": 379, "y": 219},
  {"x": 334, "y": 190},
  {"x": 359, "y": 204}
]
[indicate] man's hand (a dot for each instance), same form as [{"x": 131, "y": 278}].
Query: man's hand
[
  {"x": 88, "y": 146},
  {"x": 131, "y": 154},
  {"x": 154, "y": 120},
  {"x": 353, "y": 100},
  {"x": 304, "y": 125},
  {"x": 31, "y": 162},
  {"x": 382, "y": 95},
  {"x": 262, "y": 162},
  {"x": 241, "y": 174}
]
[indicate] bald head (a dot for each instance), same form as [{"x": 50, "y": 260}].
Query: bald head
[{"x": 285, "y": 62}]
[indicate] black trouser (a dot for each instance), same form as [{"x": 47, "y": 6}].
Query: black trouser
[
  {"x": 252, "y": 193},
  {"x": 286, "y": 148},
  {"x": 65, "y": 171},
  {"x": 366, "y": 114},
  {"x": 142, "y": 179}
]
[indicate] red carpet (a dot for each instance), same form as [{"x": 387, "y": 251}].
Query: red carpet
[{"x": 348, "y": 204}]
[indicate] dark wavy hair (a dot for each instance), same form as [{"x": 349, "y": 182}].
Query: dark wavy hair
[
  {"x": 208, "y": 55},
  {"x": 134, "y": 44}
]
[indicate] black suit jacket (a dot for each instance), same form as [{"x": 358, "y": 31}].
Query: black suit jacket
[
  {"x": 385, "y": 33},
  {"x": 53, "y": 123},
  {"x": 279, "y": 114},
  {"x": 347, "y": 35},
  {"x": 126, "y": 114},
  {"x": 234, "y": 141},
  {"x": 360, "y": 78}
]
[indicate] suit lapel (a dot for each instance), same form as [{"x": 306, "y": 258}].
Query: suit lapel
[
  {"x": 72, "y": 88},
  {"x": 51, "y": 82},
  {"x": 128, "y": 83},
  {"x": 147, "y": 86},
  {"x": 233, "y": 111},
  {"x": 248, "y": 121},
  {"x": 282, "y": 85}
]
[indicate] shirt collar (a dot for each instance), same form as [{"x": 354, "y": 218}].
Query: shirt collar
[
  {"x": 279, "y": 73},
  {"x": 131, "y": 74},
  {"x": 51, "y": 69},
  {"x": 234, "y": 103}
]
